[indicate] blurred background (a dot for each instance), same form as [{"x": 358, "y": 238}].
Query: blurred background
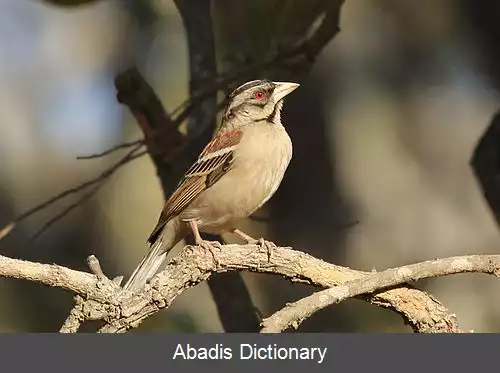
[{"x": 383, "y": 127}]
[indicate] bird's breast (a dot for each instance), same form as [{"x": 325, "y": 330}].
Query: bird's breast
[
  {"x": 261, "y": 161},
  {"x": 259, "y": 164}
]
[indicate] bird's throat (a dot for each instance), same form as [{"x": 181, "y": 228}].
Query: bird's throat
[{"x": 275, "y": 116}]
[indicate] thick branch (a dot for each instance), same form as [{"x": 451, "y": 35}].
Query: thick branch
[
  {"x": 191, "y": 267},
  {"x": 202, "y": 65},
  {"x": 81, "y": 283},
  {"x": 293, "y": 314},
  {"x": 122, "y": 310}
]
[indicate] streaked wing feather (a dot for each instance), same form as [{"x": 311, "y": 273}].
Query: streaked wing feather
[
  {"x": 186, "y": 193},
  {"x": 213, "y": 163}
]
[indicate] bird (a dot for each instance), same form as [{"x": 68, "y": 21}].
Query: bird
[{"x": 236, "y": 173}]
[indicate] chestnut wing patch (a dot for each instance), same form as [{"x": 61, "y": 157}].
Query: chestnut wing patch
[
  {"x": 213, "y": 163},
  {"x": 222, "y": 141}
]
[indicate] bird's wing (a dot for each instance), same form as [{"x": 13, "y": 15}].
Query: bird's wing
[{"x": 214, "y": 161}]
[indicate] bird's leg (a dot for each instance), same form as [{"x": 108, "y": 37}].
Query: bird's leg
[
  {"x": 201, "y": 242},
  {"x": 245, "y": 237},
  {"x": 268, "y": 245}
]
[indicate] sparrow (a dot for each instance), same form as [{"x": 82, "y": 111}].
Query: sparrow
[{"x": 237, "y": 172}]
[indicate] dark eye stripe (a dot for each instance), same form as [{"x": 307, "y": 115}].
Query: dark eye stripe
[{"x": 249, "y": 85}]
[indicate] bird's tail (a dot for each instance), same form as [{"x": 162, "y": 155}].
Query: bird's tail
[{"x": 154, "y": 258}]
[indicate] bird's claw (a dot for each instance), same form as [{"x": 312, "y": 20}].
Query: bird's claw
[
  {"x": 261, "y": 242},
  {"x": 210, "y": 246},
  {"x": 267, "y": 245}
]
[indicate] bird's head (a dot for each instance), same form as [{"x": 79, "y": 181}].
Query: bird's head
[{"x": 257, "y": 100}]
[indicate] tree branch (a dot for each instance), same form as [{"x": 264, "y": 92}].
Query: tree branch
[
  {"x": 229, "y": 291},
  {"x": 81, "y": 283},
  {"x": 194, "y": 266},
  {"x": 111, "y": 150},
  {"x": 293, "y": 314},
  {"x": 75, "y": 318},
  {"x": 106, "y": 300}
]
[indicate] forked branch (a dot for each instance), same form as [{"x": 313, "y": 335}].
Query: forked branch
[{"x": 106, "y": 300}]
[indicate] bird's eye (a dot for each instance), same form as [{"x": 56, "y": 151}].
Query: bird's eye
[{"x": 259, "y": 94}]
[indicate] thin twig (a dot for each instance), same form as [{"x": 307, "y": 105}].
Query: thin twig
[
  {"x": 131, "y": 155},
  {"x": 95, "y": 267},
  {"x": 124, "y": 145},
  {"x": 84, "y": 198},
  {"x": 99, "y": 183}
]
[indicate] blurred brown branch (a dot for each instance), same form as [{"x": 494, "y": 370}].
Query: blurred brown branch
[
  {"x": 229, "y": 291},
  {"x": 485, "y": 163},
  {"x": 121, "y": 310}
]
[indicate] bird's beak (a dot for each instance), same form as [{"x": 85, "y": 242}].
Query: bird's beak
[{"x": 282, "y": 89}]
